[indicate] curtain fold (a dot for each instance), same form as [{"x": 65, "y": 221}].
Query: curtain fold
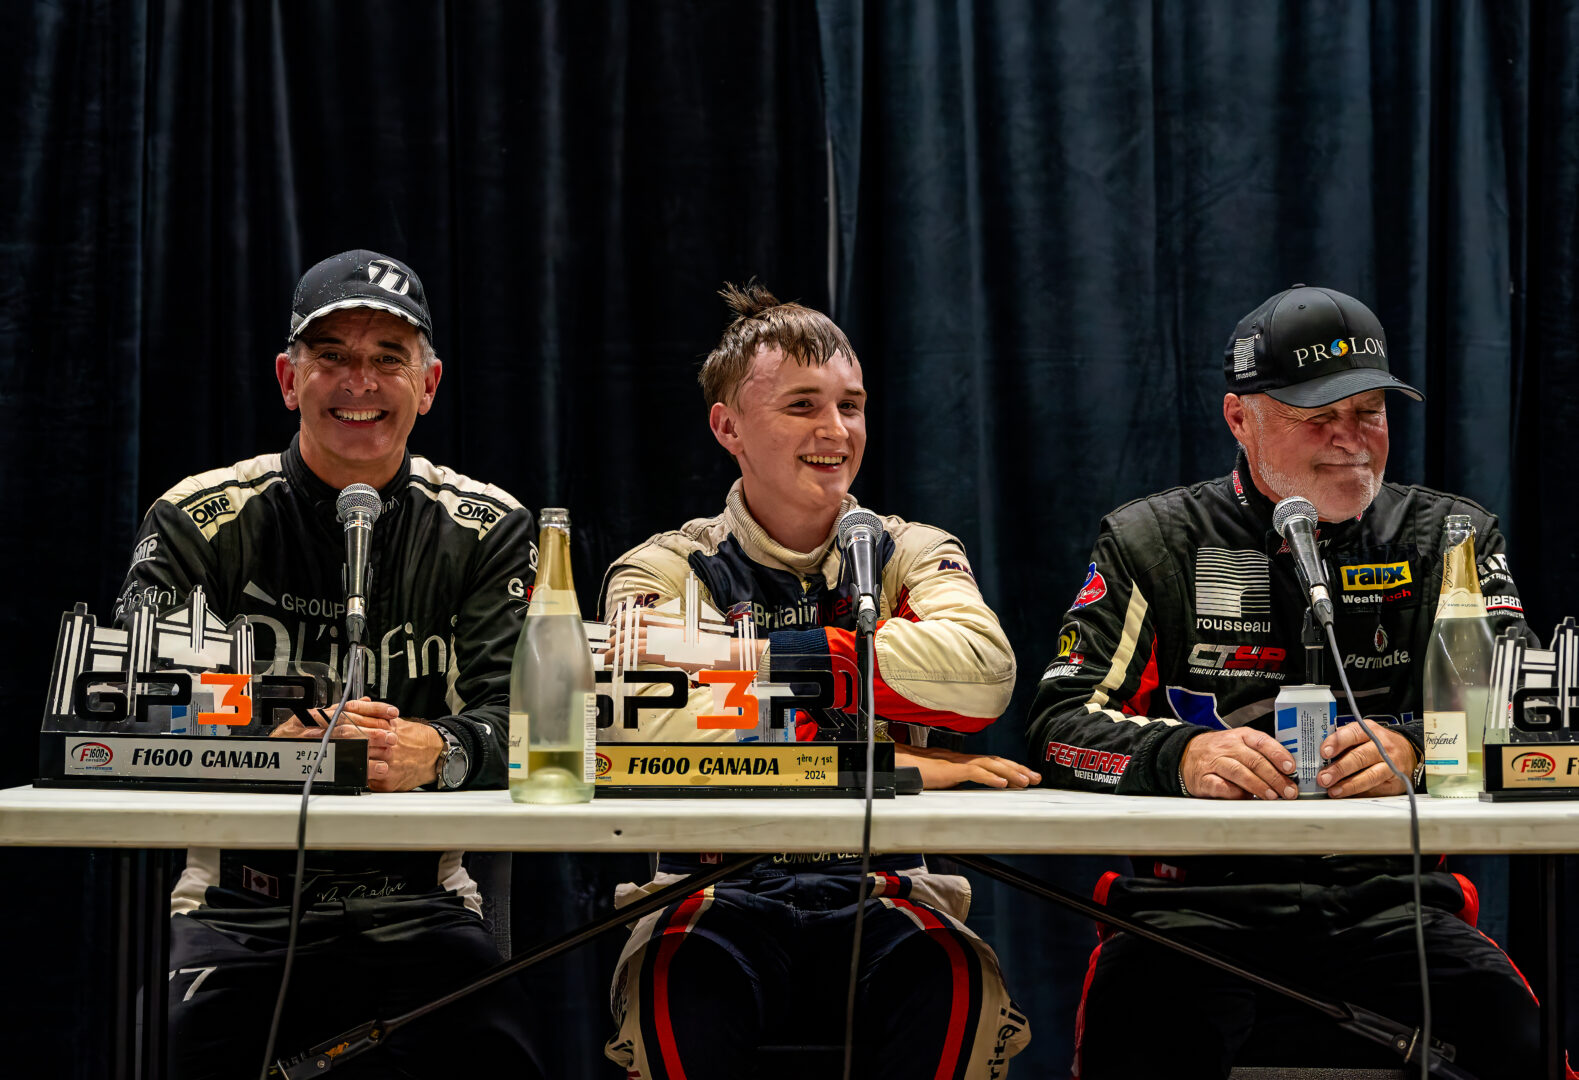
[
  {"x": 1053, "y": 214},
  {"x": 1047, "y": 217}
]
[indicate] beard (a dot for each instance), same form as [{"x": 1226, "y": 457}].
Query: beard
[{"x": 1330, "y": 506}]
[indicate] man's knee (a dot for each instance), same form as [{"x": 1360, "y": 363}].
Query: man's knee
[{"x": 685, "y": 1005}]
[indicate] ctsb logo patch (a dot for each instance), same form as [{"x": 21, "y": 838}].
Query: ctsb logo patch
[
  {"x": 1374, "y": 576},
  {"x": 1242, "y": 661}
]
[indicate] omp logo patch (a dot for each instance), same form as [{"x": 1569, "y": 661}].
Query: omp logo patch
[
  {"x": 145, "y": 549},
  {"x": 1374, "y": 576},
  {"x": 210, "y": 510},
  {"x": 476, "y": 511}
]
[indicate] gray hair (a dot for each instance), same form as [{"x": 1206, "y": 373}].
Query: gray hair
[{"x": 424, "y": 350}]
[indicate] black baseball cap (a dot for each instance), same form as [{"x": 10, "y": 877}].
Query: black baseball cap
[
  {"x": 360, "y": 279},
  {"x": 1309, "y": 347}
]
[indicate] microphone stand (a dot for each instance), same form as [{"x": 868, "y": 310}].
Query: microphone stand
[
  {"x": 1406, "y": 1041},
  {"x": 1315, "y": 643},
  {"x": 330, "y": 1055}
]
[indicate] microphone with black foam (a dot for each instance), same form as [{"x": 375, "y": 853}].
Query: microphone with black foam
[
  {"x": 1294, "y": 518},
  {"x": 860, "y": 536},
  {"x": 358, "y": 507}
]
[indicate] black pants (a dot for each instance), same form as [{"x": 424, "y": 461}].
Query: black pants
[
  {"x": 355, "y": 961},
  {"x": 1148, "y": 1010}
]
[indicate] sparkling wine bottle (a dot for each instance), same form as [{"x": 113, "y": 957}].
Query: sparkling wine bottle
[
  {"x": 553, "y": 703},
  {"x": 1456, "y": 683}
]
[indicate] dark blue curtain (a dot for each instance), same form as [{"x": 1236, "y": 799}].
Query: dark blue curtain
[
  {"x": 573, "y": 181},
  {"x": 1051, "y": 215},
  {"x": 1046, "y": 218}
]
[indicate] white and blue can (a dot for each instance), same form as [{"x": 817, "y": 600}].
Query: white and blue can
[{"x": 1306, "y": 715}]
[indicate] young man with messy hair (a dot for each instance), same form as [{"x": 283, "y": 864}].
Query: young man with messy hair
[{"x": 758, "y": 959}]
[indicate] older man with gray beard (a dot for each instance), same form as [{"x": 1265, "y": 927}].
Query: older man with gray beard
[{"x": 1186, "y": 626}]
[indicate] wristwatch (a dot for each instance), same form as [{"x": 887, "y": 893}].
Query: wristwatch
[
  {"x": 1418, "y": 779},
  {"x": 454, "y": 762}
]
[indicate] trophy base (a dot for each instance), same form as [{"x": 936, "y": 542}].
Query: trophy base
[
  {"x": 93, "y": 759},
  {"x": 827, "y": 770},
  {"x": 1531, "y": 771}
]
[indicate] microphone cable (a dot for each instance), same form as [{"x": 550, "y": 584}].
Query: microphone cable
[
  {"x": 870, "y": 700},
  {"x": 352, "y": 677},
  {"x": 1424, "y": 1044}
]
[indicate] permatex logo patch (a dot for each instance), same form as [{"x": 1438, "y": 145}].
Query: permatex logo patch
[{"x": 1373, "y": 576}]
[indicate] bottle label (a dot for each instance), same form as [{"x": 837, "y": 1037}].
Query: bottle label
[
  {"x": 551, "y": 601},
  {"x": 1446, "y": 739},
  {"x": 1460, "y": 603},
  {"x": 589, "y": 757},
  {"x": 518, "y": 743}
]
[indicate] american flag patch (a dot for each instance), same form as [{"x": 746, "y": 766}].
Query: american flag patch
[{"x": 1245, "y": 357}]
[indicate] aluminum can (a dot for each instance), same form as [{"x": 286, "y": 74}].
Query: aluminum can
[{"x": 1306, "y": 715}]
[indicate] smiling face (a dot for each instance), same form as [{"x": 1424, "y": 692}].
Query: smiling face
[
  {"x": 359, "y": 380},
  {"x": 798, "y": 432},
  {"x": 1334, "y": 455}
]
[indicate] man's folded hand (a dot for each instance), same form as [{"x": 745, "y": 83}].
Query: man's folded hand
[{"x": 401, "y": 754}]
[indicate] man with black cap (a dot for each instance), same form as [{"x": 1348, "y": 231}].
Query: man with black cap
[
  {"x": 1184, "y": 629},
  {"x": 450, "y": 562}
]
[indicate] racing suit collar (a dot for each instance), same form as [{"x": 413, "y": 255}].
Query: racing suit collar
[
  {"x": 761, "y": 547},
  {"x": 1245, "y": 490},
  {"x": 321, "y": 495}
]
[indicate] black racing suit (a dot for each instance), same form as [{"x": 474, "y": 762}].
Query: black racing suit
[
  {"x": 450, "y": 564},
  {"x": 1189, "y": 620}
]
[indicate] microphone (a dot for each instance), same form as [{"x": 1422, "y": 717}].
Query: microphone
[
  {"x": 1294, "y": 518},
  {"x": 860, "y": 533},
  {"x": 358, "y": 507}
]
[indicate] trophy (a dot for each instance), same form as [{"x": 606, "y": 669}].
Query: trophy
[
  {"x": 173, "y": 702},
  {"x": 685, "y": 718},
  {"x": 1532, "y": 718}
]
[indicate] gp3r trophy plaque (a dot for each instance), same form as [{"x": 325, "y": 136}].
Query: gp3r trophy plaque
[
  {"x": 681, "y": 716},
  {"x": 173, "y": 702},
  {"x": 1532, "y": 718}
]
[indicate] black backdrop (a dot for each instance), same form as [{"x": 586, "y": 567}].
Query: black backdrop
[{"x": 1037, "y": 221}]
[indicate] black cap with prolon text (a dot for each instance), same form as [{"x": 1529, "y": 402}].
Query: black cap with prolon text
[
  {"x": 1309, "y": 347},
  {"x": 360, "y": 279}
]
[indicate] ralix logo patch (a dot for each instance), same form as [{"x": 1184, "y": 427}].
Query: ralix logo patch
[{"x": 1375, "y": 576}]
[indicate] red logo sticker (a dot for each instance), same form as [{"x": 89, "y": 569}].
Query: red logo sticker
[
  {"x": 1093, "y": 590},
  {"x": 1534, "y": 764},
  {"x": 92, "y": 755}
]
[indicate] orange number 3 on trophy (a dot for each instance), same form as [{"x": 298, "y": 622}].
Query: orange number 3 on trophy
[
  {"x": 737, "y": 698},
  {"x": 234, "y": 698}
]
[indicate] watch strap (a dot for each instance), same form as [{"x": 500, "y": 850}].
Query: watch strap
[{"x": 452, "y": 746}]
